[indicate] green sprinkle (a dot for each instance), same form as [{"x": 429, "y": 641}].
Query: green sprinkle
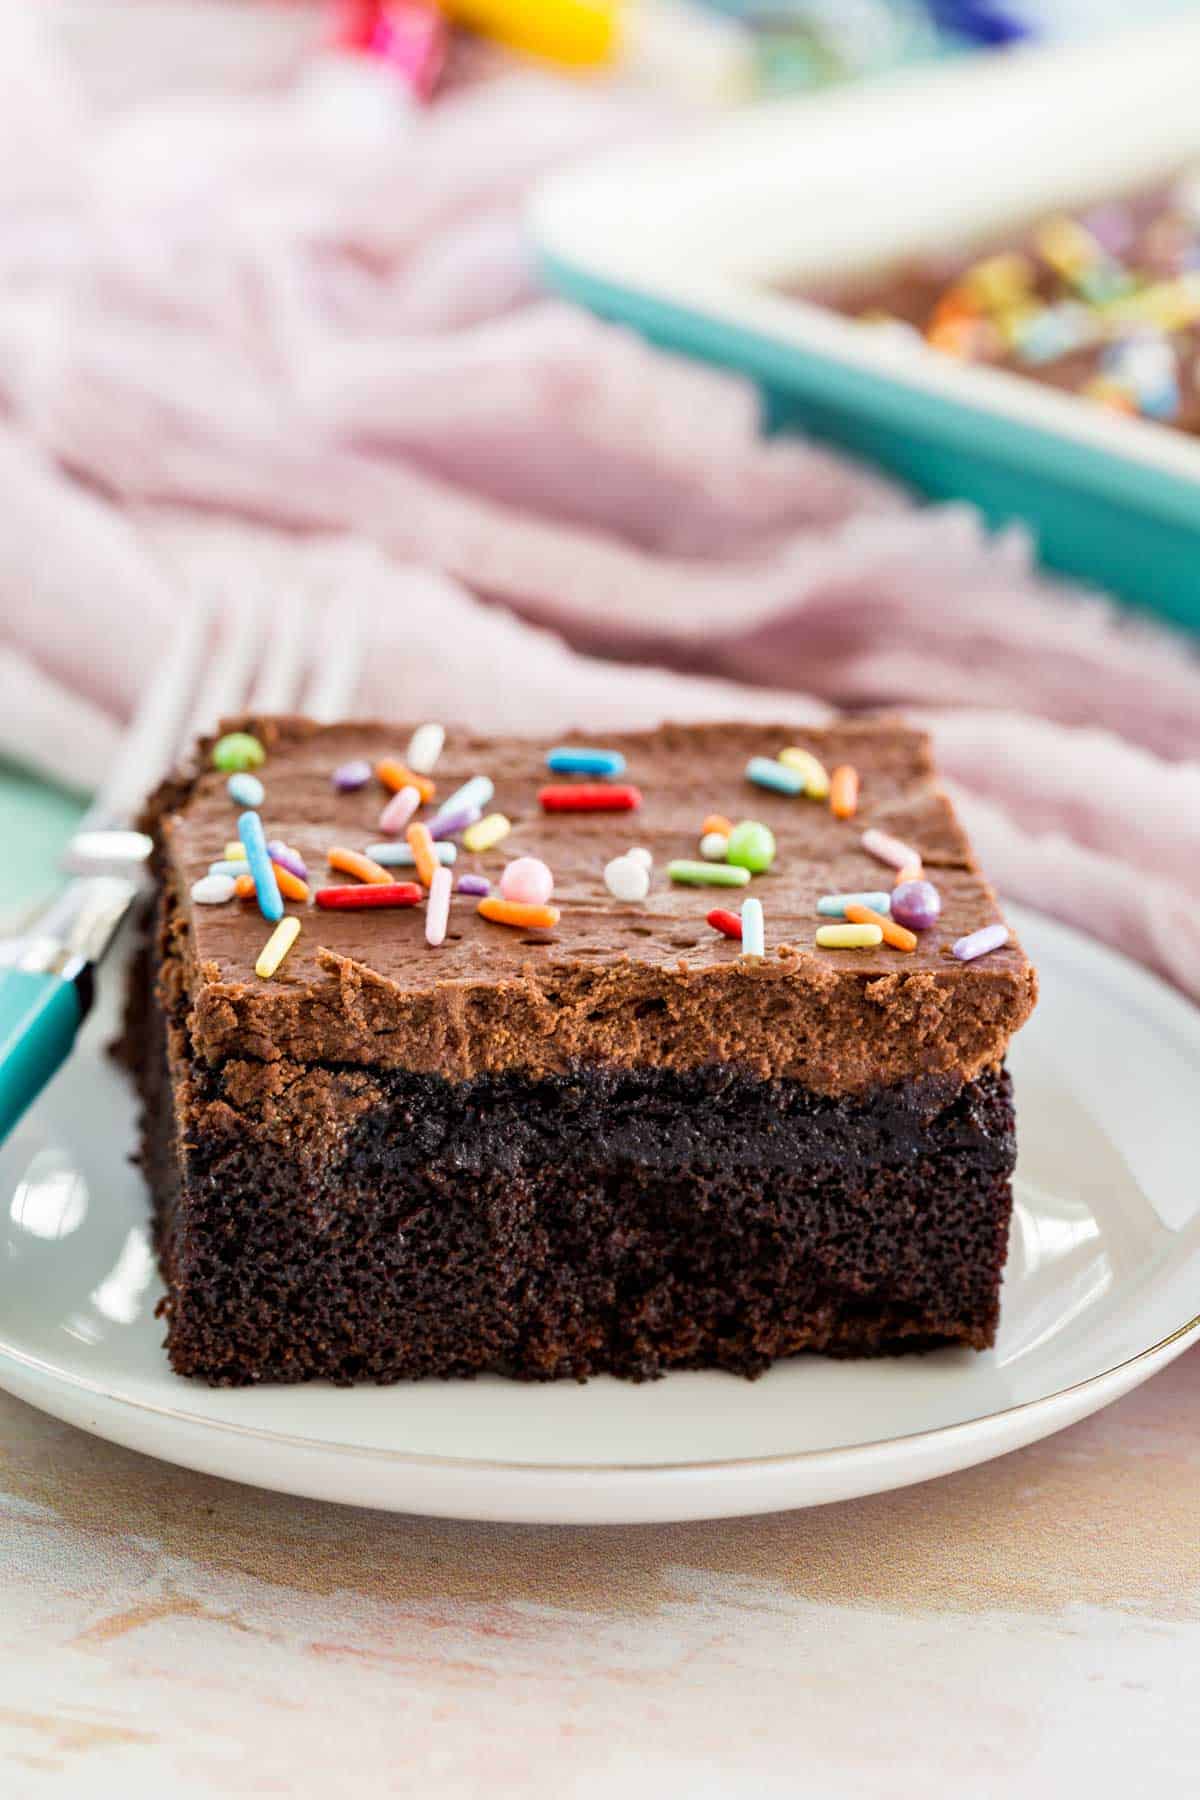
[
  {"x": 751, "y": 846},
  {"x": 237, "y": 751},
  {"x": 707, "y": 874}
]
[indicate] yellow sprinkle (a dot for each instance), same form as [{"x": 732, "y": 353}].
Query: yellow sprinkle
[
  {"x": 486, "y": 832},
  {"x": 849, "y": 937},
  {"x": 817, "y": 780},
  {"x": 277, "y": 947},
  {"x": 234, "y": 851},
  {"x": 1000, "y": 281}
]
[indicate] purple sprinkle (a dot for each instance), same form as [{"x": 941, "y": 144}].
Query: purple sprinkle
[
  {"x": 287, "y": 858},
  {"x": 351, "y": 776},
  {"x": 978, "y": 943},
  {"x": 447, "y": 824},
  {"x": 474, "y": 884},
  {"x": 916, "y": 904}
]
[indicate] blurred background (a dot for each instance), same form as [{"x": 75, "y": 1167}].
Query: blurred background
[{"x": 274, "y": 340}]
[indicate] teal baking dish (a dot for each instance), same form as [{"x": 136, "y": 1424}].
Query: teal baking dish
[{"x": 691, "y": 243}]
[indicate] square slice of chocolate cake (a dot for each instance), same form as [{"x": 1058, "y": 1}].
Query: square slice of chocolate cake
[{"x": 617, "y": 1143}]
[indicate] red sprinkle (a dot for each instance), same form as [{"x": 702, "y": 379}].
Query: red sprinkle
[
  {"x": 353, "y": 899},
  {"x": 587, "y": 797},
  {"x": 726, "y": 922}
]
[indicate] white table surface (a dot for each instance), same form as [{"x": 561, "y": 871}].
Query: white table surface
[{"x": 1031, "y": 1627}]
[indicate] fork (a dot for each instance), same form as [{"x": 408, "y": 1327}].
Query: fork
[{"x": 225, "y": 659}]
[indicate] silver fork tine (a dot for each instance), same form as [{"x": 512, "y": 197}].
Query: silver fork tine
[
  {"x": 340, "y": 645},
  {"x": 153, "y": 738},
  {"x": 227, "y": 679}
]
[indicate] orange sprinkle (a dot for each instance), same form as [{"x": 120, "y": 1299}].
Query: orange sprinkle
[
  {"x": 912, "y": 871},
  {"x": 424, "y": 854},
  {"x": 395, "y": 776},
  {"x": 244, "y": 887},
  {"x": 843, "y": 792},
  {"x": 290, "y": 885},
  {"x": 351, "y": 862},
  {"x": 717, "y": 822},
  {"x": 515, "y": 912},
  {"x": 896, "y": 935}
]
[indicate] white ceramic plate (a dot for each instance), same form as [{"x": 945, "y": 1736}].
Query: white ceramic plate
[{"x": 1102, "y": 1289}]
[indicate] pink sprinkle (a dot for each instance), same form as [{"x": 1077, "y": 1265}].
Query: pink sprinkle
[
  {"x": 889, "y": 849},
  {"x": 287, "y": 858},
  {"x": 528, "y": 881},
  {"x": 437, "y": 907},
  {"x": 399, "y": 810},
  {"x": 478, "y": 885},
  {"x": 978, "y": 943}
]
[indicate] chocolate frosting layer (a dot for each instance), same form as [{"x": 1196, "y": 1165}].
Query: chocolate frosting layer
[{"x": 613, "y": 984}]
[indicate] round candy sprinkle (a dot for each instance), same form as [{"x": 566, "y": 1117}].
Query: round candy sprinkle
[
  {"x": 714, "y": 846},
  {"x": 213, "y": 890},
  {"x": 486, "y": 834},
  {"x": 573, "y": 759},
  {"x": 437, "y": 909},
  {"x": 479, "y": 885},
  {"x": 245, "y": 789},
  {"x": 753, "y": 941},
  {"x": 916, "y": 904},
  {"x": 889, "y": 850},
  {"x": 848, "y": 937},
  {"x": 725, "y": 922},
  {"x": 767, "y": 772},
  {"x": 833, "y": 906},
  {"x": 238, "y": 750},
  {"x": 515, "y": 912},
  {"x": 626, "y": 879},
  {"x": 528, "y": 881},
  {"x": 589, "y": 798},
  {"x": 399, "y": 810},
  {"x": 370, "y": 894},
  {"x": 751, "y": 846},
  {"x": 287, "y": 858},
  {"x": 640, "y": 854},
  {"x": 705, "y": 874},
  {"x": 399, "y": 856},
  {"x": 262, "y": 869},
  {"x": 978, "y": 943},
  {"x": 351, "y": 776},
  {"x": 277, "y": 947},
  {"x": 424, "y": 748}
]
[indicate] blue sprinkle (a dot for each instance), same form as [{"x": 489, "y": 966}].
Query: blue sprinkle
[
  {"x": 753, "y": 938},
  {"x": 229, "y": 868},
  {"x": 765, "y": 772},
  {"x": 245, "y": 790},
  {"x": 476, "y": 792},
  {"x": 833, "y": 906},
  {"x": 270, "y": 900},
  {"x": 393, "y": 855},
  {"x": 569, "y": 759}
]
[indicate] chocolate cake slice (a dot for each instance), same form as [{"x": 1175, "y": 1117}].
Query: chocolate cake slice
[{"x": 618, "y": 1144}]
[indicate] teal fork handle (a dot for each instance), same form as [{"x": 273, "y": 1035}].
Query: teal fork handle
[{"x": 39, "y": 1016}]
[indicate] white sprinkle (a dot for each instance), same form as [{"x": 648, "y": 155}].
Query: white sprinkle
[
  {"x": 437, "y": 907},
  {"x": 424, "y": 748},
  {"x": 626, "y": 879},
  {"x": 213, "y": 890},
  {"x": 889, "y": 849},
  {"x": 714, "y": 846},
  {"x": 639, "y": 854},
  {"x": 753, "y": 938}
]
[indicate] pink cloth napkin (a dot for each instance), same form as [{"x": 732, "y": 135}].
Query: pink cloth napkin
[{"x": 253, "y": 347}]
